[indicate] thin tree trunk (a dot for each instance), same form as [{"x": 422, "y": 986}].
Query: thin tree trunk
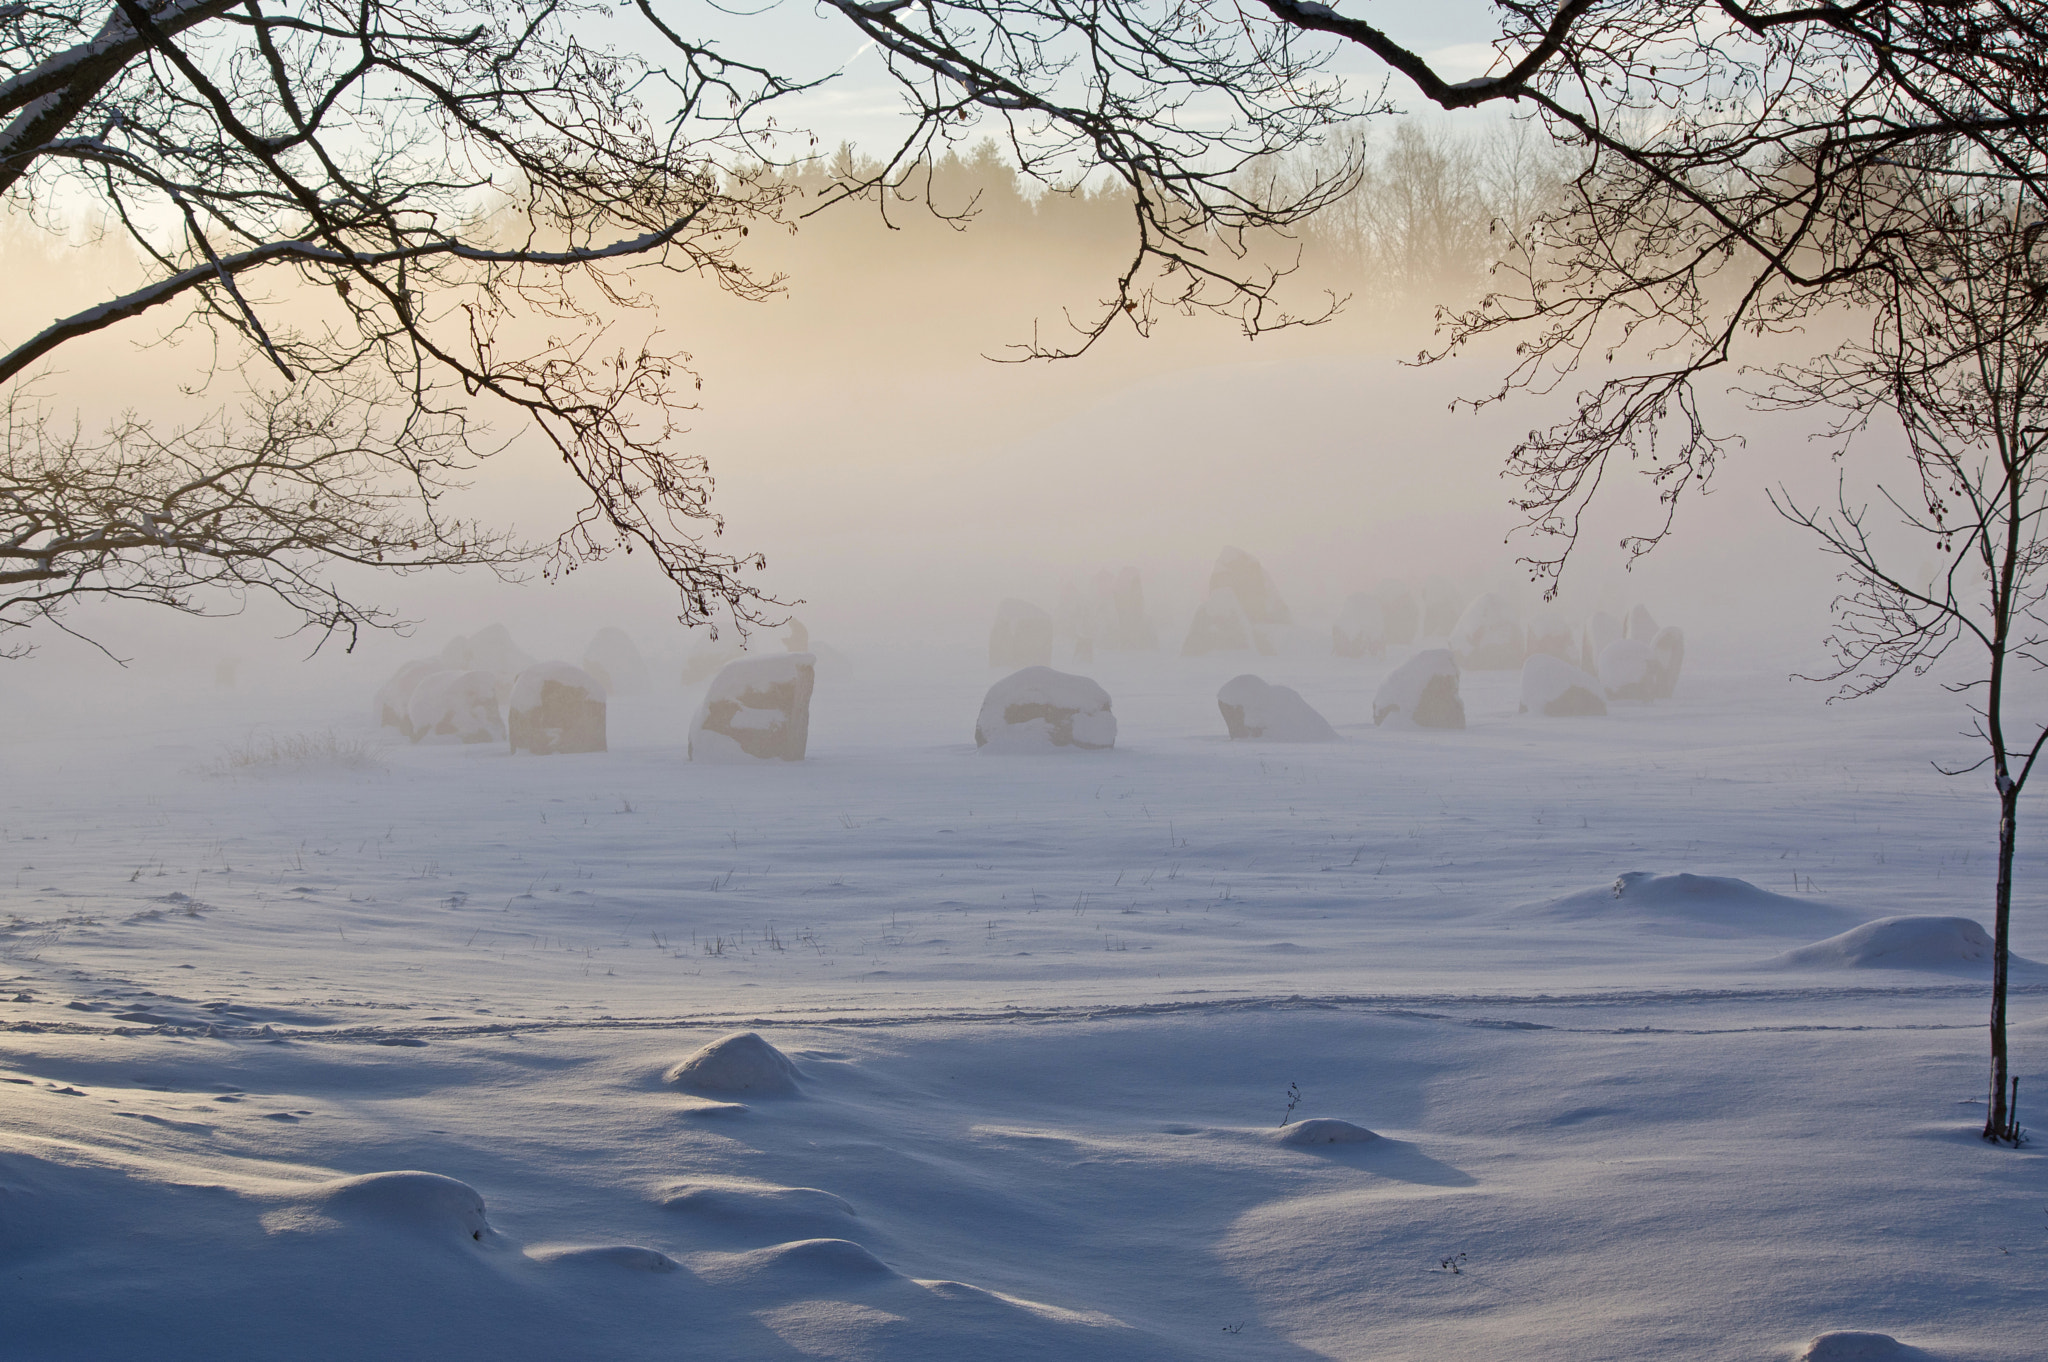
[{"x": 1996, "y": 1121}]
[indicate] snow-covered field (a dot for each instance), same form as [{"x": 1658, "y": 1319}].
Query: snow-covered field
[{"x": 1049, "y": 1015}]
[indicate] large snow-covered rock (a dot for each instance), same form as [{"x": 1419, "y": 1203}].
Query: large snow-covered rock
[
  {"x": 1238, "y": 571},
  {"x": 456, "y": 707},
  {"x": 1551, "y": 633},
  {"x": 1487, "y": 637},
  {"x": 1555, "y": 687},
  {"x": 393, "y": 701},
  {"x": 1627, "y": 670},
  {"x": 612, "y": 657},
  {"x": 1219, "y": 626},
  {"x": 1254, "y": 709},
  {"x": 1667, "y": 660},
  {"x": 1361, "y": 627},
  {"x": 757, "y": 708},
  {"x": 1120, "y": 607},
  {"x": 1421, "y": 693},
  {"x": 1022, "y": 636},
  {"x": 1041, "y": 710},
  {"x": 1641, "y": 625},
  {"x": 555, "y": 707}
]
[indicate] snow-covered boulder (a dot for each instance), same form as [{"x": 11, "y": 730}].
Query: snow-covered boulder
[
  {"x": 1361, "y": 628},
  {"x": 756, "y": 708},
  {"x": 1555, "y": 687},
  {"x": 1641, "y": 625},
  {"x": 1022, "y": 636},
  {"x": 615, "y": 661},
  {"x": 1120, "y": 609},
  {"x": 1041, "y": 710},
  {"x": 1421, "y": 693},
  {"x": 1254, "y": 709},
  {"x": 394, "y": 698},
  {"x": 740, "y": 1062},
  {"x": 1859, "y": 1345},
  {"x": 1487, "y": 637},
  {"x": 1238, "y": 571},
  {"x": 456, "y": 707},
  {"x": 1219, "y": 626},
  {"x": 1627, "y": 670},
  {"x": 555, "y": 707},
  {"x": 1399, "y": 609},
  {"x": 1667, "y": 660}
]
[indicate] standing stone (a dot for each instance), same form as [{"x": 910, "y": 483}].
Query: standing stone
[
  {"x": 1421, "y": 693},
  {"x": 757, "y": 708},
  {"x": 456, "y": 707},
  {"x": 1238, "y": 571},
  {"x": 556, "y": 708},
  {"x": 1041, "y": 710},
  {"x": 1361, "y": 628},
  {"x": 1022, "y": 636}
]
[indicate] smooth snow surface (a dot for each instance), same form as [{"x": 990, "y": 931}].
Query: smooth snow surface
[
  {"x": 1943, "y": 943},
  {"x": 452, "y": 1054}
]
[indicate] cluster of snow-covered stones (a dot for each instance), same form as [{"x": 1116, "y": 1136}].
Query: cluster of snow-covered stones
[{"x": 484, "y": 688}]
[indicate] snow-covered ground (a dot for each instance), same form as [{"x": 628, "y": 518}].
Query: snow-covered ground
[{"x": 1049, "y": 1013}]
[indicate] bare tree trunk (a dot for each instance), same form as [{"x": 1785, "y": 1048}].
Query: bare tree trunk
[{"x": 1997, "y": 1124}]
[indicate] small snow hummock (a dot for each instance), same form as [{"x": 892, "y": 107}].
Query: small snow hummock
[
  {"x": 757, "y": 707},
  {"x": 1323, "y": 1130},
  {"x": 1254, "y": 709},
  {"x": 1022, "y": 635},
  {"x": 1856, "y": 1345},
  {"x": 1628, "y": 670},
  {"x": 740, "y": 1062},
  {"x": 1555, "y": 687},
  {"x": 612, "y": 657},
  {"x": 1900, "y": 943},
  {"x": 1421, "y": 693},
  {"x": 1041, "y": 710},
  {"x": 1361, "y": 629},
  {"x": 1700, "y": 905},
  {"x": 1487, "y": 637},
  {"x": 456, "y": 707},
  {"x": 555, "y": 707},
  {"x": 1219, "y": 626}
]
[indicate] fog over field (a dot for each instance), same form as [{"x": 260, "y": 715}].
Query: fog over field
[{"x": 974, "y": 964}]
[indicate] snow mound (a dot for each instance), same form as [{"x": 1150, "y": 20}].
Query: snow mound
[
  {"x": 1699, "y": 904},
  {"x": 1021, "y": 637},
  {"x": 1041, "y": 710},
  {"x": 1254, "y": 709},
  {"x": 740, "y": 1062},
  {"x": 555, "y": 707},
  {"x": 1323, "y": 1130},
  {"x": 1421, "y": 693},
  {"x": 1555, "y": 687},
  {"x": 631, "y": 1257},
  {"x": 1856, "y": 1345},
  {"x": 1900, "y": 943},
  {"x": 456, "y": 707},
  {"x": 428, "y": 1202},
  {"x": 757, "y": 707},
  {"x": 824, "y": 1257}
]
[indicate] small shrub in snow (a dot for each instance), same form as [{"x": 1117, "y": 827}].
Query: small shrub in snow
[{"x": 299, "y": 752}]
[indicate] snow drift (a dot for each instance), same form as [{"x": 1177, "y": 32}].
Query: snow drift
[
  {"x": 1704, "y": 905},
  {"x": 740, "y": 1062},
  {"x": 1940, "y": 943}
]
